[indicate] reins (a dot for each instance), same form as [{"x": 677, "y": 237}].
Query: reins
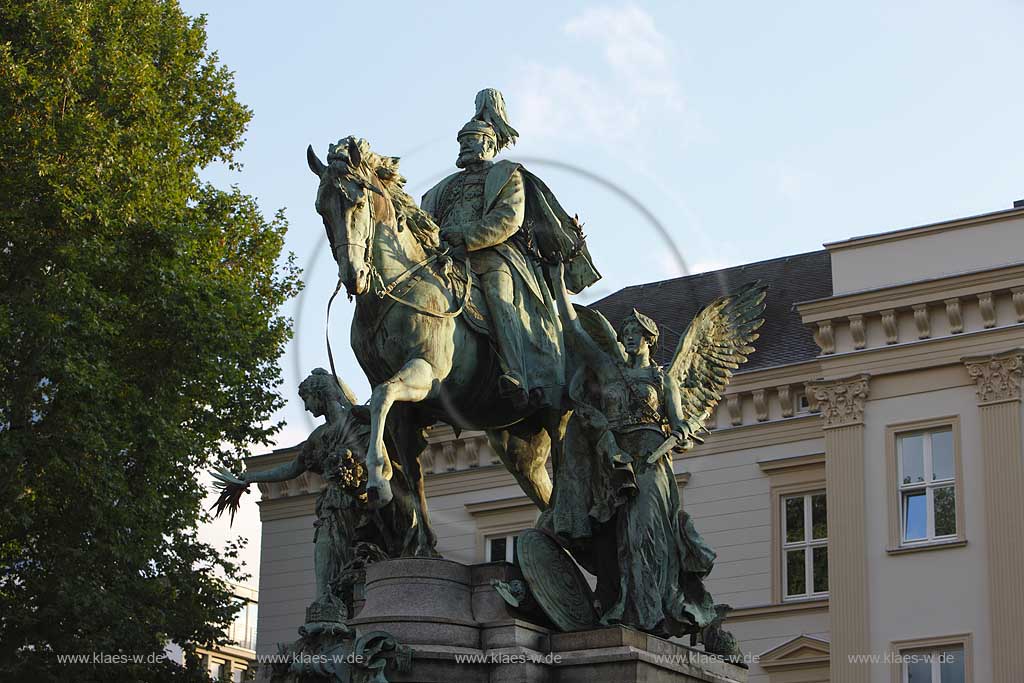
[{"x": 387, "y": 290}]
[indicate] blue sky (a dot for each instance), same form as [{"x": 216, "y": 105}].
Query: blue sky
[{"x": 749, "y": 130}]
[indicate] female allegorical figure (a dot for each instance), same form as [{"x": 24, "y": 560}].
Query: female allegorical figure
[
  {"x": 616, "y": 504},
  {"x": 336, "y": 450}
]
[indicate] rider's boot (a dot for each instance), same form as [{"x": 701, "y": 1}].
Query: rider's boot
[{"x": 511, "y": 389}]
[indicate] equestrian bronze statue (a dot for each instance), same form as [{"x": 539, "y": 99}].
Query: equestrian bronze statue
[
  {"x": 458, "y": 324},
  {"x": 463, "y": 316}
]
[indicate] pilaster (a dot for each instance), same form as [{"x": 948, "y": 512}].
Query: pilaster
[
  {"x": 998, "y": 379},
  {"x": 841, "y": 402}
]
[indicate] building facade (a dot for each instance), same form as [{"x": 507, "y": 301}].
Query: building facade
[
  {"x": 233, "y": 662},
  {"x": 861, "y": 480}
]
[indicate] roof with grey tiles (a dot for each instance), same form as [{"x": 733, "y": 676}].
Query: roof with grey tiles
[{"x": 784, "y": 338}]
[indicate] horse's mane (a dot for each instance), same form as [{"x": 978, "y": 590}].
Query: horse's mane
[{"x": 372, "y": 166}]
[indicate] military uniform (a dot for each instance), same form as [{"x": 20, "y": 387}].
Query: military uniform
[{"x": 487, "y": 207}]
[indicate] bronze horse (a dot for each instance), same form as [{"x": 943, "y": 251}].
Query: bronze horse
[{"x": 423, "y": 359}]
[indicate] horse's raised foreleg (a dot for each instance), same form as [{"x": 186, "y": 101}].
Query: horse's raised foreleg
[{"x": 412, "y": 383}]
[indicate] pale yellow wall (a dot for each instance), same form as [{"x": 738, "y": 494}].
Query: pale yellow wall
[
  {"x": 287, "y": 585},
  {"x": 729, "y": 497},
  {"x": 907, "y": 307},
  {"x": 929, "y": 593},
  {"x": 455, "y": 526},
  {"x": 926, "y": 253}
]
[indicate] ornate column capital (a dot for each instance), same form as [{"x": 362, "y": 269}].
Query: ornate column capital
[
  {"x": 998, "y": 376},
  {"x": 841, "y": 401}
]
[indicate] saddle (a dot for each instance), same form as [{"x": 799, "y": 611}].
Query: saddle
[
  {"x": 446, "y": 276},
  {"x": 475, "y": 312}
]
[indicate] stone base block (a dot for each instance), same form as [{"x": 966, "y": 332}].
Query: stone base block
[{"x": 461, "y": 631}]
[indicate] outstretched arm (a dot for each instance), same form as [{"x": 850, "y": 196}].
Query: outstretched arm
[
  {"x": 580, "y": 339},
  {"x": 565, "y": 309},
  {"x": 288, "y": 470},
  {"x": 232, "y": 487}
]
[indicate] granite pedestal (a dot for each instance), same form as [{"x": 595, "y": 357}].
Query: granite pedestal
[{"x": 461, "y": 631}]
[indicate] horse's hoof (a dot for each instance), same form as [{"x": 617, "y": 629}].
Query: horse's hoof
[{"x": 378, "y": 496}]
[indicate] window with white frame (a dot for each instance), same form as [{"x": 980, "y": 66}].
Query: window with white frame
[
  {"x": 503, "y": 548},
  {"x": 942, "y": 665},
  {"x": 927, "y": 482},
  {"x": 804, "y": 546}
]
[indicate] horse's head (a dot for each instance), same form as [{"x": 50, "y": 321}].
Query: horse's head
[{"x": 346, "y": 206}]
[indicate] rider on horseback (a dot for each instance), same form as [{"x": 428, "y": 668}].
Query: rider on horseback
[{"x": 505, "y": 217}]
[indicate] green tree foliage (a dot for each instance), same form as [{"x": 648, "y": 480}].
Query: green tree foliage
[{"x": 139, "y": 332}]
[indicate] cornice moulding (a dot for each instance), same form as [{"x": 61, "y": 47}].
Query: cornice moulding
[
  {"x": 928, "y": 228},
  {"x": 789, "y": 462},
  {"x": 287, "y": 508},
  {"x": 758, "y": 435},
  {"x": 776, "y": 609},
  {"x": 767, "y": 378},
  {"x": 905, "y": 296},
  {"x": 919, "y": 354},
  {"x": 501, "y": 505}
]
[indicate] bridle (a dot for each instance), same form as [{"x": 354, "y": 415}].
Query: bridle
[{"x": 383, "y": 289}]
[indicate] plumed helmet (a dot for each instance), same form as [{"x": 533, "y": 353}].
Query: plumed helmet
[
  {"x": 645, "y": 323},
  {"x": 474, "y": 126},
  {"x": 491, "y": 119}
]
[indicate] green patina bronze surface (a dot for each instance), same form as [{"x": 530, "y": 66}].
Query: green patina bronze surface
[
  {"x": 347, "y": 532},
  {"x": 457, "y": 321},
  {"x": 615, "y": 504},
  {"x": 347, "y": 535},
  {"x": 484, "y": 353},
  {"x": 463, "y": 316}
]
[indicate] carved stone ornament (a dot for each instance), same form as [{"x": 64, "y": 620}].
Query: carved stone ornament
[
  {"x": 735, "y": 410},
  {"x": 1017, "y": 295},
  {"x": 841, "y": 401},
  {"x": 921, "y": 320},
  {"x": 786, "y": 400},
  {"x": 825, "y": 337},
  {"x": 761, "y": 404},
  {"x": 998, "y": 377},
  {"x": 857, "y": 331},
  {"x": 987, "y": 306},
  {"x": 890, "y": 326},
  {"x": 956, "y": 318}
]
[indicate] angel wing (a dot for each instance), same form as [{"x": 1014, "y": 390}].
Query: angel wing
[
  {"x": 601, "y": 332},
  {"x": 717, "y": 341}
]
